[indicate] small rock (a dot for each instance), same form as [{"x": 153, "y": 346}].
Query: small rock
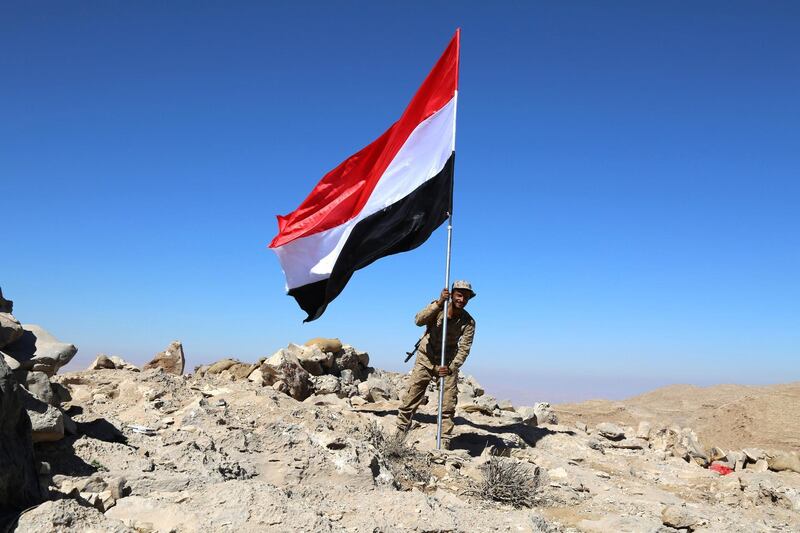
[
  {"x": 38, "y": 384},
  {"x": 314, "y": 360},
  {"x": 105, "y": 501},
  {"x": 326, "y": 384},
  {"x": 241, "y": 371},
  {"x": 643, "y": 431},
  {"x": 505, "y": 405},
  {"x": 477, "y": 389},
  {"x": 716, "y": 454},
  {"x": 610, "y": 431},
  {"x": 47, "y": 424},
  {"x": 759, "y": 466},
  {"x": 629, "y": 444},
  {"x": 581, "y": 426},
  {"x": 296, "y": 379},
  {"x": 477, "y": 408},
  {"x": 597, "y": 444},
  {"x": 347, "y": 377},
  {"x": 544, "y": 413},
  {"x": 681, "y": 517},
  {"x": 783, "y": 461},
  {"x": 348, "y": 359},
  {"x": 113, "y": 362},
  {"x": 101, "y": 362},
  {"x": 754, "y": 454},
  {"x": 558, "y": 474},
  {"x": 357, "y": 401},
  {"x": 256, "y": 376}
]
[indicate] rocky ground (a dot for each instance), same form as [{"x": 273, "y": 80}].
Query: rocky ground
[
  {"x": 728, "y": 416},
  {"x": 302, "y": 441}
]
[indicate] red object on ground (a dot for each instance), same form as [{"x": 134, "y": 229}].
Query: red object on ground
[{"x": 722, "y": 469}]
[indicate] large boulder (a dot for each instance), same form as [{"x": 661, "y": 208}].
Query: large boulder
[
  {"x": 326, "y": 384},
  {"x": 240, "y": 371},
  {"x": 170, "y": 360},
  {"x": 377, "y": 388},
  {"x": 70, "y": 515},
  {"x": 351, "y": 359},
  {"x": 19, "y": 480},
  {"x": 10, "y": 329},
  {"x": 47, "y": 421},
  {"x": 315, "y": 360},
  {"x": 40, "y": 351},
  {"x": 6, "y": 306},
  {"x": 230, "y": 369},
  {"x": 220, "y": 366},
  {"x": 285, "y": 366}
]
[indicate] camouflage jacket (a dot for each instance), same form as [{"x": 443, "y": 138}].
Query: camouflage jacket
[{"x": 460, "y": 332}]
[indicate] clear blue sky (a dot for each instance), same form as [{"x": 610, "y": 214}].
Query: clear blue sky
[{"x": 627, "y": 181}]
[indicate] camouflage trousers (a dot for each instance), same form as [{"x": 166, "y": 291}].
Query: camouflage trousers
[{"x": 417, "y": 385}]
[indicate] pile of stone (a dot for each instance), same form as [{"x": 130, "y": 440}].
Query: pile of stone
[
  {"x": 98, "y": 491},
  {"x": 34, "y": 356},
  {"x": 472, "y": 398},
  {"x": 327, "y": 369},
  {"x": 320, "y": 367},
  {"x": 684, "y": 443},
  {"x": 30, "y": 406}
]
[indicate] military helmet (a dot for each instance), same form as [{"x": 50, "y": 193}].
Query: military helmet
[{"x": 464, "y": 285}]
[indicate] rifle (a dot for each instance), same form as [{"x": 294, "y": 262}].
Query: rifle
[{"x": 412, "y": 352}]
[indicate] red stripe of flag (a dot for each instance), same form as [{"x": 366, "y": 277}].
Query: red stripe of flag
[{"x": 342, "y": 192}]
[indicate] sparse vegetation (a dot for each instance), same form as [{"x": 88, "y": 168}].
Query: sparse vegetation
[
  {"x": 408, "y": 465},
  {"x": 98, "y": 466},
  {"x": 508, "y": 481}
]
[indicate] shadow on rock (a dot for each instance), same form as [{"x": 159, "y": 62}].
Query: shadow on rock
[
  {"x": 61, "y": 454},
  {"x": 62, "y": 458},
  {"x": 474, "y": 443},
  {"x": 102, "y": 429},
  {"x": 530, "y": 434}
]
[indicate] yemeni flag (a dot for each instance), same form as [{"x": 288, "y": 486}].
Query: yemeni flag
[{"x": 385, "y": 199}]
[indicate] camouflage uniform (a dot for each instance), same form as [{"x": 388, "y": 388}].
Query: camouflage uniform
[{"x": 460, "y": 332}]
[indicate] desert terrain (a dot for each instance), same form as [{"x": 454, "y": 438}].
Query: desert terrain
[{"x": 305, "y": 440}]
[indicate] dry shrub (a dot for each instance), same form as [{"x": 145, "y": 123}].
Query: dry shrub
[
  {"x": 508, "y": 481},
  {"x": 407, "y": 465}
]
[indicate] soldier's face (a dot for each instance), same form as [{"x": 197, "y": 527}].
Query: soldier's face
[{"x": 460, "y": 298}]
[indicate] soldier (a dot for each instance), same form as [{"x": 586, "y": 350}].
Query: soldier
[{"x": 460, "y": 332}]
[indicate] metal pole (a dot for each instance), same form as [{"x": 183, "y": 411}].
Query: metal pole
[{"x": 444, "y": 332}]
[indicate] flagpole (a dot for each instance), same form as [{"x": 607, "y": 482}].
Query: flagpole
[
  {"x": 449, "y": 247},
  {"x": 444, "y": 331}
]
